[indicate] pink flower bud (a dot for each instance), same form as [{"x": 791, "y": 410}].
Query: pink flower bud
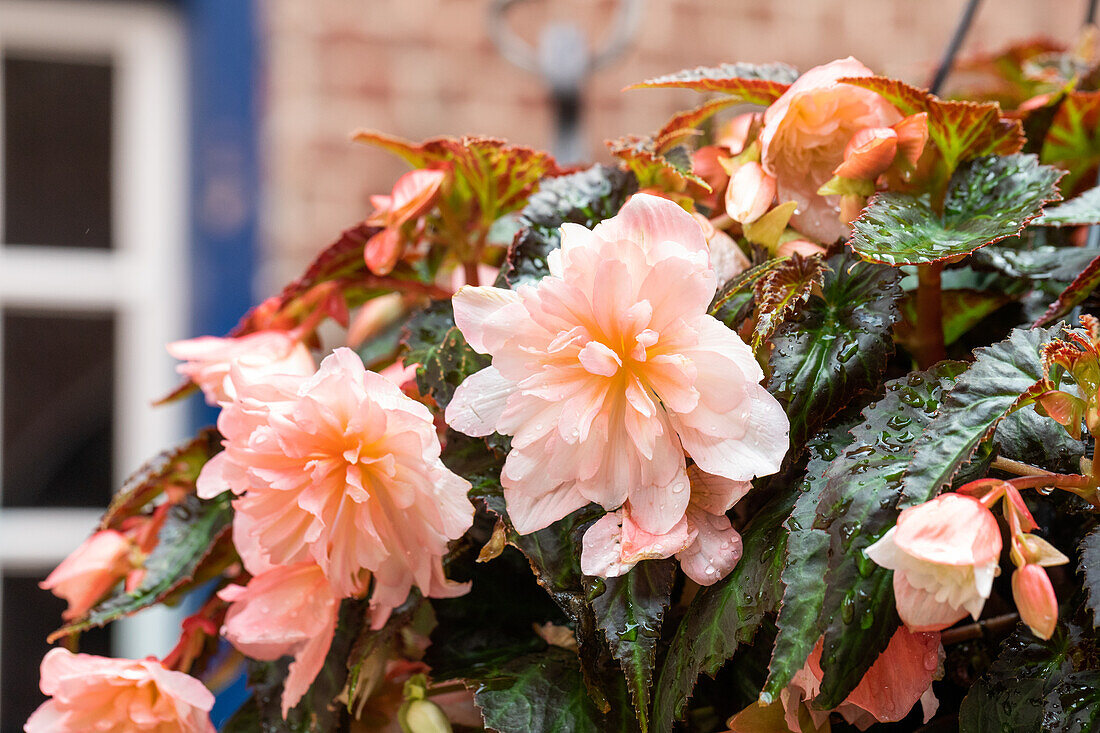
[
  {"x": 90, "y": 571},
  {"x": 944, "y": 554},
  {"x": 1035, "y": 600},
  {"x": 750, "y": 193}
]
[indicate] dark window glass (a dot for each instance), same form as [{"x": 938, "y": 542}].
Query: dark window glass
[
  {"x": 58, "y": 382},
  {"x": 57, "y": 152},
  {"x": 29, "y": 615}
]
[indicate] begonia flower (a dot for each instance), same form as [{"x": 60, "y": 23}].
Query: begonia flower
[
  {"x": 944, "y": 554},
  {"x": 256, "y": 355},
  {"x": 344, "y": 469},
  {"x": 287, "y": 610},
  {"x": 413, "y": 195},
  {"x": 609, "y": 369},
  {"x": 805, "y": 134},
  {"x": 799, "y": 246},
  {"x": 704, "y": 541},
  {"x": 900, "y": 677},
  {"x": 1035, "y": 599},
  {"x": 734, "y": 133},
  {"x": 90, "y": 571},
  {"x": 90, "y": 693}
]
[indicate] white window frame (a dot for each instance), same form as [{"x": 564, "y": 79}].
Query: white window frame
[{"x": 142, "y": 279}]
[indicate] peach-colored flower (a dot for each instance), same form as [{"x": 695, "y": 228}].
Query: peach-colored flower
[
  {"x": 804, "y": 136},
  {"x": 1035, "y": 599},
  {"x": 343, "y": 468},
  {"x": 209, "y": 360},
  {"x": 900, "y": 677},
  {"x": 412, "y": 196},
  {"x": 750, "y": 193},
  {"x": 90, "y": 571},
  {"x": 606, "y": 371},
  {"x": 944, "y": 554},
  {"x": 704, "y": 541},
  {"x": 90, "y": 693},
  {"x": 288, "y": 610}
]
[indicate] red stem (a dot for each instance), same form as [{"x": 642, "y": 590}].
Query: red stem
[{"x": 928, "y": 344}]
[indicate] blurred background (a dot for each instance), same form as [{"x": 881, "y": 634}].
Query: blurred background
[{"x": 165, "y": 164}]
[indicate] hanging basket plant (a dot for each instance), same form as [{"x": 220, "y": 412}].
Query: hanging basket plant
[{"x": 784, "y": 422}]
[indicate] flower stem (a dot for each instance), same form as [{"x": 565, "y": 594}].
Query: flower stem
[
  {"x": 1020, "y": 469},
  {"x": 929, "y": 345},
  {"x": 472, "y": 278}
]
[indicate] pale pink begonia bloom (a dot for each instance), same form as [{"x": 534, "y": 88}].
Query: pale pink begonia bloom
[
  {"x": 606, "y": 371},
  {"x": 256, "y": 355},
  {"x": 287, "y": 610},
  {"x": 944, "y": 554},
  {"x": 900, "y": 677},
  {"x": 343, "y": 468},
  {"x": 89, "y": 693},
  {"x": 750, "y": 193},
  {"x": 1035, "y": 599},
  {"x": 90, "y": 571},
  {"x": 704, "y": 541},
  {"x": 805, "y": 134},
  {"x": 412, "y": 196}
]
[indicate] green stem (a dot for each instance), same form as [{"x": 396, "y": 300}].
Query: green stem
[{"x": 929, "y": 345}]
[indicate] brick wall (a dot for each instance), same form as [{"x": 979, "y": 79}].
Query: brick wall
[{"x": 420, "y": 68}]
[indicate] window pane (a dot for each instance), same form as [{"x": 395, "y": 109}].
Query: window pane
[
  {"x": 57, "y": 152},
  {"x": 29, "y": 615},
  {"x": 58, "y": 384}
]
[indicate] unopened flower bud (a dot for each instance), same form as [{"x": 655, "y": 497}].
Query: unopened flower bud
[
  {"x": 750, "y": 193},
  {"x": 1035, "y": 600},
  {"x": 423, "y": 716}
]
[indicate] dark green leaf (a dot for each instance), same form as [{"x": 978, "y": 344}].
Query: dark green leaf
[
  {"x": 1083, "y": 209},
  {"x": 630, "y": 612},
  {"x": 1089, "y": 567},
  {"x": 477, "y": 632},
  {"x": 438, "y": 347},
  {"x": 987, "y": 200},
  {"x": 177, "y": 469},
  {"x": 1031, "y": 438},
  {"x": 836, "y": 347},
  {"x": 977, "y": 402},
  {"x": 858, "y": 505},
  {"x": 1081, "y": 288},
  {"x": 1074, "y": 704},
  {"x": 190, "y": 535},
  {"x": 728, "y": 613},
  {"x": 1042, "y": 264},
  {"x": 806, "y": 562},
  {"x": 585, "y": 198},
  {"x": 545, "y": 692},
  {"x": 1028, "y": 674}
]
